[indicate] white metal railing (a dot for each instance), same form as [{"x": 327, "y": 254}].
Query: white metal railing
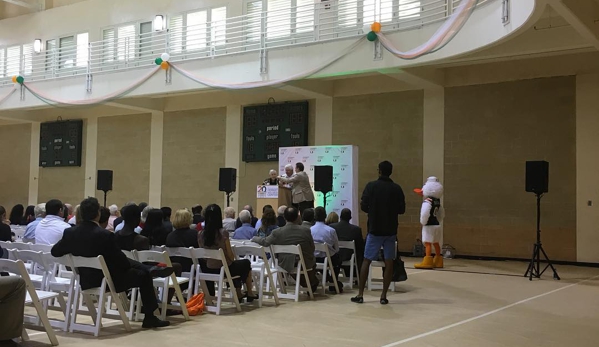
[{"x": 283, "y": 27}]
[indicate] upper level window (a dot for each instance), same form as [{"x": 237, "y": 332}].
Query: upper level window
[
  {"x": 125, "y": 42},
  {"x": 283, "y": 18},
  {"x": 410, "y": 8},
  {"x": 197, "y": 30}
]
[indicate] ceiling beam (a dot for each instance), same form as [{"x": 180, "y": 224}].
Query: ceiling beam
[
  {"x": 310, "y": 89},
  {"x": 424, "y": 78},
  {"x": 580, "y": 15},
  {"x": 22, "y": 3}
]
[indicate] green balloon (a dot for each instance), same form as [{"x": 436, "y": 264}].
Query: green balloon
[
  {"x": 372, "y": 36},
  {"x": 20, "y": 79},
  {"x": 158, "y": 61}
]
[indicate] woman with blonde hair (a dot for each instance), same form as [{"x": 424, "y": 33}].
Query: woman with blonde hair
[{"x": 333, "y": 217}]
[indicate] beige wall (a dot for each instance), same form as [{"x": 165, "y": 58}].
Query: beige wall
[
  {"x": 194, "y": 150},
  {"x": 15, "y": 141},
  {"x": 123, "y": 146},
  {"x": 386, "y": 127},
  {"x": 64, "y": 183},
  {"x": 490, "y": 132}
]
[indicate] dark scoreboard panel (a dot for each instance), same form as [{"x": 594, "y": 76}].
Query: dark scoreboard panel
[
  {"x": 268, "y": 127},
  {"x": 60, "y": 143}
]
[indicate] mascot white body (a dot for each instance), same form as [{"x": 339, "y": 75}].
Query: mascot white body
[{"x": 431, "y": 218}]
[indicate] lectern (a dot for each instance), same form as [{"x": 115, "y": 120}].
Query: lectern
[{"x": 271, "y": 195}]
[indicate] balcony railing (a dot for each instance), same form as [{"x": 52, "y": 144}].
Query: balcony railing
[{"x": 253, "y": 32}]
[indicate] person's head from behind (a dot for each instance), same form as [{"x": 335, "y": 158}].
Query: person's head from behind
[
  {"x": 2, "y": 213},
  {"x": 144, "y": 212},
  {"x": 299, "y": 167},
  {"x": 166, "y": 212},
  {"x": 249, "y": 208},
  {"x": 197, "y": 209},
  {"x": 69, "y": 209},
  {"x": 289, "y": 170},
  {"x": 308, "y": 215},
  {"x": 266, "y": 207},
  {"x": 213, "y": 224},
  {"x": 54, "y": 207},
  {"x": 269, "y": 218},
  {"x": 245, "y": 217},
  {"x": 281, "y": 210},
  {"x": 89, "y": 210},
  {"x": 272, "y": 174},
  {"x": 333, "y": 217},
  {"x": 16, "y": 214},
  {"x": 114, "y": 209},
  {"x": 131, "y": 216},
  {"x": 291, "y": 214},
  {"x": 154, "y": 219},
  {"x": 230, "y": 212},
  {"x": 345, "y": 215},
  {"x": 40, "y": 211},
  {"x": 320, "y": 214},
  {"x": 30, "y": 212},
  {"x": 183, "y": 219},
  {"x": 385, "y": 168},
  {"x": 142, "y": 205},
  {"x": 104, "y": 216}
]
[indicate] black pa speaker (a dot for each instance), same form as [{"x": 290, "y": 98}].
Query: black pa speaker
[
  {"x": 323, "y": 178},
  {"x": 537, "y": 177},
  {"x": 104, "y": 182},
  {"x": 227, "y": 179}
]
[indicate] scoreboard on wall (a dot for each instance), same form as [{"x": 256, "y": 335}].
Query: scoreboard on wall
[
  {"x": 268, "y": 127},
  {"x": 60, "y": 143}
]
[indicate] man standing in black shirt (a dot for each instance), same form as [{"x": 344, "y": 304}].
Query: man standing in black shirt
[{"x": 383, "y": 200}]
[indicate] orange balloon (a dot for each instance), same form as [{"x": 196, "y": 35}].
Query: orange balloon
[
  {"x": 14, "y": 79},
  {"x": 164, "y": 65},
  {"x": 376, "y": 27}
]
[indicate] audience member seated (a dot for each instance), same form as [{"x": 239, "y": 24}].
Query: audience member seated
[
  {"x": 104, "y": 217},
  {"x": 13, "y": 291},
  {"x": 89, "y": 240},
  {"x": 323, "y": 233},
  {"x": 16, "y": 215},
  {"x": 229, "y": 221},
  {"x": 154, "y": 228},
  {"x": 349, "y": 232},
  {"x": 69, "y": 212},
  {"x": 29, "y": 215},
  {"x": 197, "y": 214},
  {"x": 259, "y": 222},
  {"x": 5, "y": 232},
  {"x": 126, "y": 238},
  {"x": 280, "y": 216},
  {"x": 254, "y": 219},
  {"x": 40, "y": 213},
  {"x": 144, "y": 215},
  {"x": 73, "y": 219},
  {"x": 308, "y": 218},
  {"x": 245, "y": 231},
  {"x": 50, "y": 229},
  {"x": 182, "y": 236},
  {"x": 119, "y": 219},
  {"x": 333, "y": 217},
  {"x": 114, "y": 214},
  {"x": 214, "y": 236},
  {"x": 166, "y": 215},
  {"x": 293, "y": 234},
  {"x": 268, "y": 223}
]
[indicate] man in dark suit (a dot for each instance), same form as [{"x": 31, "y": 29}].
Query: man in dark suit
[
  {"x": 89, "y": 240},
  {"x": 349, "y": 232},
  {"x": 293, "y": 234}
]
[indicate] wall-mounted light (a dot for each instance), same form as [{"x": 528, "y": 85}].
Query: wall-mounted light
[
  {"x": 37, "y": 45},
  {"x": 159, "y": 23}
]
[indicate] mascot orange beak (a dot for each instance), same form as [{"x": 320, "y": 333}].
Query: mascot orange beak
[{"x": 418, "y": 191}]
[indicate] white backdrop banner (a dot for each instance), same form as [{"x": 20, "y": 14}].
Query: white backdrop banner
[{"x": 343, "y": 159}]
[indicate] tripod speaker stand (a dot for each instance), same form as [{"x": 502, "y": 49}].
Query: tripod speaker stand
[{"x": 534, "y": 268}]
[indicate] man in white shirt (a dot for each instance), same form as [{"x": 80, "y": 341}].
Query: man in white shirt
[
  {"x": 322, "y": 233},
  {"x": 50, "y": 229}
]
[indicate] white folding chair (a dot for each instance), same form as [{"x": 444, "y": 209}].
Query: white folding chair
[
  {"x": 219, "y": 279},
  {"x": 40, "y": 248},
  {"x": 352, "y": 262},
  {"x": 4, "y": 244},
  {"x": 164, "y": 283},
  {"x": 64, "y": 285},
  {"x": 20, "y": 246},
  {"x": 299, "y": 270},
  {"x": 12, "y": 247},
  {"x": 129, "y": 254},
  {"x": 34, "y": 297},
  {"x": 261, "y": 270},
  {"x": 33, "y": 259},
  {"x": 157, "y": 248},
  {"x": 375, "y": 283},
  {"x": 184, "y": 252},
  {"x": 101, "y": 293},
  {"x": 326, "y": 266}
]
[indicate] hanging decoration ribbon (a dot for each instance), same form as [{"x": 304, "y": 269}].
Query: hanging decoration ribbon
[
  {"x": 442, "y": 36},
  {"x": 87, "y": 102},
  {"x": 270, "y": 83}
]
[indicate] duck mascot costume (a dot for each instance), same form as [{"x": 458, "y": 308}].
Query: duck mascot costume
[{"x": 431, "y": 218}]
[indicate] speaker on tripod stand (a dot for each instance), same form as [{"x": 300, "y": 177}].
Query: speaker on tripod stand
[{"x": 537, "y": 182}]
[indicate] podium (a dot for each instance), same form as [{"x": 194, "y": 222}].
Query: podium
[{"x": 272, "y": 195}]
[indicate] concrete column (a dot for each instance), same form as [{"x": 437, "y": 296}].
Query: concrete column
[
  {"x": 233, "y": 148},
  {"x": 434, "y": 133},
  {"x": 323, "y": 131},
  {"x": 91, "y": 150},
  {"x": 587, "y": 168},
  {"x": 34, "y": 164},
  {"x": 156, "y": 141}
]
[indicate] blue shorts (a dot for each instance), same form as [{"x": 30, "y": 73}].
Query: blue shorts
[{"x": 374, "y": 244}]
